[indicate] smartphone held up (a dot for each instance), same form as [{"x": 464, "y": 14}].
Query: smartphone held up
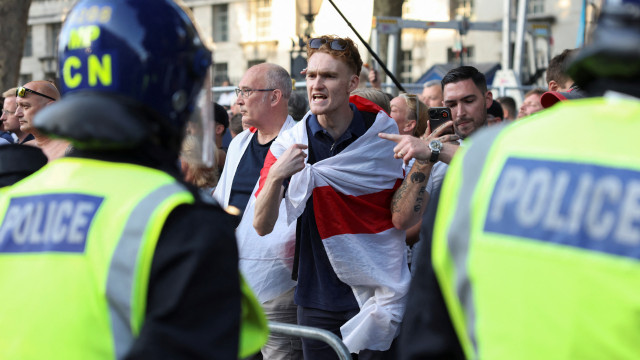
[{"x": 439, "y": 116}]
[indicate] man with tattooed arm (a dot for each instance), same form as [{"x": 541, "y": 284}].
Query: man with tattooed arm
[{"x": 465, "y": 92}]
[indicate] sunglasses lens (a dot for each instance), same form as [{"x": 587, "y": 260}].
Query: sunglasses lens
[
  {"x": 339, "y": 45},
  {"x": 315, "y": 43}
]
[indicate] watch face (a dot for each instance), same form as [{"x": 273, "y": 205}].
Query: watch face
[{"x": 435, "y": 145}]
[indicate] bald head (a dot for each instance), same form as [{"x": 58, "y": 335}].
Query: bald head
[
  {"x": 44, "y": 87},
  {"x": 432, "y": 94},
  {"x": 33, "y": 101},
  {"x": 276, "y": 77}
]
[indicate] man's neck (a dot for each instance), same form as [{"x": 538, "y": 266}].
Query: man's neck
[
  {"x": 338, "y": 122},
  {"x": 271, "y": 128},
  {"x": 41, "y": 140}
]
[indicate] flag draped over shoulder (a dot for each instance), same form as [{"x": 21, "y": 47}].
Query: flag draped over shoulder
[
  {"x": 265, "y": 261},
  {"x": 352, "y": 194}
]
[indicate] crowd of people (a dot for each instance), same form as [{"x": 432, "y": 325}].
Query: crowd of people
[{"x": 131, "y": 229}]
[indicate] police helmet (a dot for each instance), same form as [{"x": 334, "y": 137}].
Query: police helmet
[
  {"x": 613, "y": 56},
  {"x": 129, "y": 70}
]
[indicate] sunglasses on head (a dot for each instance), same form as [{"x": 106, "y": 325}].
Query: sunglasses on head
[
  {"x": 22, "y": 91},
  {"x": 336, "y": 44}
]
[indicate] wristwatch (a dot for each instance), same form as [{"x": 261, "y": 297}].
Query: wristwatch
[{"x": 435, "y": 146}]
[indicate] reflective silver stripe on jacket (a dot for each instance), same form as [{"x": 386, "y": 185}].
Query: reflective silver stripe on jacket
[
  {"x": 123, "y": 266},
  {"x": 459, "y": 232}
]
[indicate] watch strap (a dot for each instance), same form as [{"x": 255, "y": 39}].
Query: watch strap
[{"x": 434, "y": 156}]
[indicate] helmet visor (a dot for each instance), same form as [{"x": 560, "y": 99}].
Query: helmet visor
[{"x": 198, "y": 152}]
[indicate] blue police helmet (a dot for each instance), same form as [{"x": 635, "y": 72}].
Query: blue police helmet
[{"x": 120, "y": 59}]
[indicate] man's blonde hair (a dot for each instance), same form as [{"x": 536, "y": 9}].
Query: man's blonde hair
[
  {"x": 9, "y": 93},
  {"x": 418, "y": 111},
  {"x": 203, "y": 176}
]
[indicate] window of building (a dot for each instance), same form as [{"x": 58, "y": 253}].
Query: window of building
[
  {"x": 221, "y": 73},
  {"x": 25, "y": 78},
  {"x": 261, "y": 14},
  {"x": 536, "y": 7},
  {"x": 463, "y": 8},
  {"x": 28, "y": 46},
  {"x": 406, "y": 66},
  {"x": 467, "y": 54},
  {"x": 51, "y": 76},
  {"x": 221, "y": 23},
  {"x": 53, "y": 31},
  {"x": 251, "y": 63}
]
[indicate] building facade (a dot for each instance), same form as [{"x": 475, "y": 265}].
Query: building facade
[{"x": 247, "y": 32}]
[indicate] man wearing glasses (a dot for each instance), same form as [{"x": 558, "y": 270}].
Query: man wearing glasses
[
  {"x": 339, "y": 178},
  {"x": 30, "y": 99},
  {"x": 10, "y": 121},
  {"x": 265, "y": 261}
]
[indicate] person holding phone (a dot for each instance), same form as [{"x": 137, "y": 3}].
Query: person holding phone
[
  {"x": 536, "y": 249},
  {"x": 467, "y": 98},
  {"x": 465, "y": 93}
]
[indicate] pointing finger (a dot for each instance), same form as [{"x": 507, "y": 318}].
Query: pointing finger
[{"x": 393, "y": 137}]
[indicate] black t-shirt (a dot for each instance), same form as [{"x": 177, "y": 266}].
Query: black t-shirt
[{"x": 248, "y": 172}]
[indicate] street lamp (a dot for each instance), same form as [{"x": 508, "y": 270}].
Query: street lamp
[{"x": 309, "y": 9}]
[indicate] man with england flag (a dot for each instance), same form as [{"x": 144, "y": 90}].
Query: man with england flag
[{"x": 338, "y": 178}]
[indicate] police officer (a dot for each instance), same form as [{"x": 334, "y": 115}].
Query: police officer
[
  {"x": 106, "y": 254},
  {"x": 537, "y": 249}
]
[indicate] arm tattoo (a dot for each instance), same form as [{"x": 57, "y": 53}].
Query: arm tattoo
[
  {"x": 419, "y": 200},
  {"x": 418, "y": 177},
  {"x": 395, "y": 208}
]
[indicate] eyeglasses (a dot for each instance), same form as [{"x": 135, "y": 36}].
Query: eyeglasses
[
  {"x": 21, "y": 92},
  {"x": 337, "y": 44},
  {"x": 245, "y": 93}
]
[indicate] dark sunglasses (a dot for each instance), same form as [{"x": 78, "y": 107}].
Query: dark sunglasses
[
  {"x": 337, "y": 44},
  {"x": 21, "y": 92}
]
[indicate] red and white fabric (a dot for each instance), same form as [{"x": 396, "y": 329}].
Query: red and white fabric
[
  {"x": 352, "y": 194},
  {"x": 265, "y": 261}
]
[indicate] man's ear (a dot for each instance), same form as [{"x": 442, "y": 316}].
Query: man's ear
[
  {"x": 488, "y": 99},
  {"x": 353, "y": 83},
  {"x": 553, "y": 85},
  {"x": 276, "y": 95},
  {"x": 409, "y": 125}
]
